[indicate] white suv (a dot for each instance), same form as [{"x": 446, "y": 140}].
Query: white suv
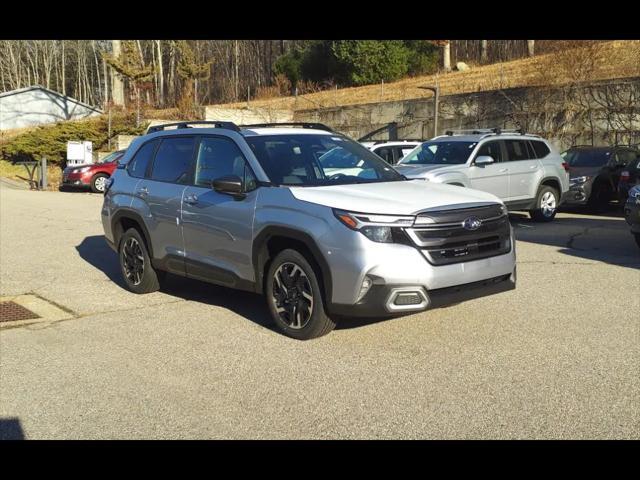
[{"x": 523, "y": 170}]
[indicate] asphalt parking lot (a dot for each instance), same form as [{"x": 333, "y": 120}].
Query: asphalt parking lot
[{"x": 559, "y": 357}]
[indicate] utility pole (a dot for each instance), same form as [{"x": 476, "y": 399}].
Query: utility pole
[{"x": 436, "y": 100}]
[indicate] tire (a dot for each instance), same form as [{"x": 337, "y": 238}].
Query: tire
[
  {"x": 98, "y": 183},
  {"x": 299, "y": 311},
  {"x": 133, "y": 248},
  {"x": 546, "y": 204},
  {"x": 599, "y": 198}
]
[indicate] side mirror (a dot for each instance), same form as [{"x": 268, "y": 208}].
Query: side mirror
[
  {"x": 484, "y": 160},
  {"x": 229, "y": 184}
]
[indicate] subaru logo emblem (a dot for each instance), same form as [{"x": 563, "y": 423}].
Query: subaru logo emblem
[{"x": 472, "y": 223}]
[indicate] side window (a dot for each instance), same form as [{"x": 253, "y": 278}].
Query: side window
[
  {"x": 516, "y": 150},
  {"x": 491, "y": 149},
  {"x": 405, "y": 151},
  {"x": 217, "y": 157},
  {"x": 138, "y": 164},
  {"x": 173, "y": 160},
  {"x": 386, "y": 154},
  {"x": 626, "y": 157},
  {"x": 540, "y": 148}
]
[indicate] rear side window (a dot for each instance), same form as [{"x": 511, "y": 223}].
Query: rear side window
[
  {"x": 138, "y": 164},
  {"x": 540, "y": 149},
  {"x": 173, "y": 160},
  {"x": 517, "y": 150},
  {"x": 386, "y": 154},
  {"x": 491, "y": 149},
  {"x": 627, "y": 157}
]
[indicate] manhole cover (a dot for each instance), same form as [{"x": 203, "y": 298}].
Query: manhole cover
[{"x": 11, "y": 311}]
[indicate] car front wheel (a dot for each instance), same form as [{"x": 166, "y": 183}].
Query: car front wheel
[
  {"x": 546, "y": 205},
  {"x": 99, "y": 183},
  {"x": 294, "y": 297}
]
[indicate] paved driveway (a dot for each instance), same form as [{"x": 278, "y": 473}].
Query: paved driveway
[{"x": 559, "y": 357}]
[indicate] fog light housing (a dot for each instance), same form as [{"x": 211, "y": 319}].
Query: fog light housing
[{"x": 366, "y": 285}]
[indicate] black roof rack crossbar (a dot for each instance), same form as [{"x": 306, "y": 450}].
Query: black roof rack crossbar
[
  {"x": 314, "y": 126},
  {"x": 215, "y": 123}
]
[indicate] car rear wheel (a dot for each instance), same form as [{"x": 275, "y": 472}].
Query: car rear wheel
[
  {"x": 294, "y": 297},
  {"x": 599, "y": 198},
  {"x": 135, "y": 264},
  {"x": 99, "y": 183},
  {"x": 546, "y": 205}
]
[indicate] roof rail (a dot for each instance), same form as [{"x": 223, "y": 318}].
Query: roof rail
[
  {"x": 487, "y": 131},
  {"x": 315, "y": 126},
  {"x": 215, "y": 123}
]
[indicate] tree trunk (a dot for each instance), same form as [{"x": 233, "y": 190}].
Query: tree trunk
[
  {"x": 160, "y": 74},
  {"x": 531, "y": 47},
  {"x": 446, "y": 57},
  {"x": 483, "y": 51},
  {"x": 117, "y": 84}
]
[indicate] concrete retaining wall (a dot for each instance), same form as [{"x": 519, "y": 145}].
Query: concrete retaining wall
[{"x": 599, "y": 113}]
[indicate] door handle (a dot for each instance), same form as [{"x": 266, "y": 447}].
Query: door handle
[
  {"x": 503, "y": 170},
  {"x": 143, "y": 191},
  {"x": 191, "y": 199}
]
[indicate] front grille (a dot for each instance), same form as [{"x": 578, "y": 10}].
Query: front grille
[{"x": 447, "y": 241}]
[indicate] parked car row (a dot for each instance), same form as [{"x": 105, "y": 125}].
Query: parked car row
[{"x": 321, "y": 225}]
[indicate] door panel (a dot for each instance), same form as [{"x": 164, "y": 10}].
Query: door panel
[
  {"x": 524, "y": 170},
  {"x": 218, "y": 228},
  {"x": 163, "y": 201},
  {"x": 491, "y": 178}
]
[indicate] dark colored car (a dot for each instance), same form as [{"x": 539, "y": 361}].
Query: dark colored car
[
  {"x": 632, "y": 212},
  {"x": 595, "y": 173},
  {"x": 629, "y": 177},
  {"x": 92, "y": 176}
]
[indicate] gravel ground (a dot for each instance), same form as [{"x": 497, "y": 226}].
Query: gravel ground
[{"x": 559, "y": 357}]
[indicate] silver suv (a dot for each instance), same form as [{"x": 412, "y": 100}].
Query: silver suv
[
  {"x": 317, "y": 223},
  {"x": 524, "y": 171}
]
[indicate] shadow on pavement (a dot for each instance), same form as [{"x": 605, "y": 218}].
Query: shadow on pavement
[
  {"x": 11, "y": 429},
  {"x": 604, "y": 237},
  {"x": 95, "y": 251}
]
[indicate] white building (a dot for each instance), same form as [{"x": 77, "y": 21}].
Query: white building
[{"x": 37, "y": 105}]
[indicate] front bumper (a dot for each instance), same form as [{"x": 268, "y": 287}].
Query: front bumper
[
  {"x": 380, "y": 299},
  {"x": 578, "y": 194},
  {"x": 75, "y": 180}
]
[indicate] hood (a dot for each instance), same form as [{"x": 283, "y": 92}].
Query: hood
[
  {"x": 419, "y": 171},
  {"x": 584, "y": 171},
  {"x": 393, "y": 198}
]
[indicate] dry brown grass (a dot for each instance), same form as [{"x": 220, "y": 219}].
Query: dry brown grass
[{"x": 614, "y": 59}]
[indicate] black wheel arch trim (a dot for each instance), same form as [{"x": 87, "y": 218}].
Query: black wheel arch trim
[
  {"x": 260, "y": 255},
  {"x": 136, "y": 217}
]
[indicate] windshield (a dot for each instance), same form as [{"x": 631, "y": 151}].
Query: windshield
[
  {"x": 439, "y": 153},
  {"x": 587, "y": 158},
  {"x": 312, "y": 160},
  {"x": 114, "y": 156}
]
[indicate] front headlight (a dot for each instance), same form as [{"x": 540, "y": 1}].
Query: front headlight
[
  {"x": 81, "y": 170},
  {"x": 579, "y": 180},
  {"x": 377, "y": 228}
]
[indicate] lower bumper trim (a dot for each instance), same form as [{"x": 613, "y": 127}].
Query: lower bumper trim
[{"x": 374, "y": 304}]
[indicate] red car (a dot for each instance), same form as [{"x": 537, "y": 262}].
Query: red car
[{"x": 92, "y": 176}]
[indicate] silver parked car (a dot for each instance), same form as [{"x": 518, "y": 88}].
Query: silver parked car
[
  {"x": 524, "y": 171},
  {"x": 317, "y": 223}
]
